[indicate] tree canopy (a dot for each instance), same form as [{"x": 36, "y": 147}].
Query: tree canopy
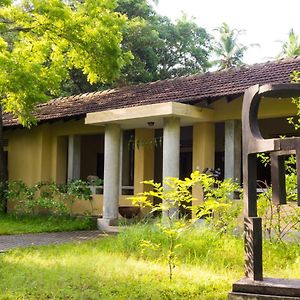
[
  {"x": 161, "y": 49},
  {"x": 41, "y": 40}
]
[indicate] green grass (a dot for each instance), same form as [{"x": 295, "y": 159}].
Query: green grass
[
  {"x": 13, "y": 224},
  {"x": 116, "y": 268}
]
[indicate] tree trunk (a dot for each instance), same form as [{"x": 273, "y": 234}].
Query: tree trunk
[{"x": 3, "y": 169}]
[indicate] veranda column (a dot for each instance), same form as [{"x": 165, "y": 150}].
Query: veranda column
[
  {"x": 233, "y": 151},
  {"x": 111, "y": 185},
  {"x": 171, "y": 151},
  {"x": 74, "y": 149}
]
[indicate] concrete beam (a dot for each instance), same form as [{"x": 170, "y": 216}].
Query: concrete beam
[{"x": 139, "y": 116}]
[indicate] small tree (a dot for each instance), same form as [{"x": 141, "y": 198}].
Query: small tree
[{"x": 178, "y": 194}]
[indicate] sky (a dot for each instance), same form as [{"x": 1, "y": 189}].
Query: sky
[{"x": 265, "y": 22}]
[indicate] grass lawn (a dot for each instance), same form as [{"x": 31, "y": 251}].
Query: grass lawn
[
  {"x": 12, "y": 224},
  {"x": 116, "y": 268}
]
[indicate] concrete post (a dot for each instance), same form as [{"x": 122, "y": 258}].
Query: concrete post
[
  {"x": 171, "y": 151},
  {"x": 74, "y": 151},
  {"x": 233, "y": 152},
  {"x": 111, "y": 186}
]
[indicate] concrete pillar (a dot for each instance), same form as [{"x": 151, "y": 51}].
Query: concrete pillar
[
  {"x": 203, "y": 152},
  {"x": 171, "y": 147},
  {"x": 111, "y": 186},
  {"x": 171, "y": 151},
  {"x": 233, "y": 151},
  {"x": 74, "y": 147}
]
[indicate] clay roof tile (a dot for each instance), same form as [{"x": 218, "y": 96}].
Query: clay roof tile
[{"x": 186, "y": 89}]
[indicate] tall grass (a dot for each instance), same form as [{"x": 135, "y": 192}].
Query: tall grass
[{"x": 116, "y": 268}]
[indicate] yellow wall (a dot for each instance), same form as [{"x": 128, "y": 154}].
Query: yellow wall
[
  {"x": 143, "y": 158},
  {"x": 25, "y": 151},
  {"x": 203, "y": 152},
  {"x": 41, "y": 152},
  {"x": 84, "y": 206},
  {"x": 269, "y": 108}
]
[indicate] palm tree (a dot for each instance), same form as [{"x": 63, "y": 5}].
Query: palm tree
[
  {"x": 228, "y": 50},
  {"x": 291, "y": 47}
]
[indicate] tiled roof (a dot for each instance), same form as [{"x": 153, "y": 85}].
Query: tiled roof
[{"x": 187, "y": 89}]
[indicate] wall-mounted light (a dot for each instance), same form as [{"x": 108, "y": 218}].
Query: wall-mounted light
[{"x": 150, "y": 124}]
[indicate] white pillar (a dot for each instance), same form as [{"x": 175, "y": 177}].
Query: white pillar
[
  {"x": 74, "y": 151},
  {"x": 233, "y": 152},
  {"x": 111, "y": 186},
  {"x": 171, "y": 151}
]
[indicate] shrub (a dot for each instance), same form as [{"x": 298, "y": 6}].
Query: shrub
[{"x": 47, "y": 197}]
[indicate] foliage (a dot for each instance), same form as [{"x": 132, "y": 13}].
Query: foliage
[
  {"x": 280, "y": 222},
  {"x": 295, "y": 121},
  {"x": 291, "y": 47},
  {"x": 187, "y": 53},
  {"x": 228, "y": 49},
  {"x": 17, "y": 224},
  {"x": 161, "y": 48},
  {"x": 47, "y": 197},
  {"x": 217, "y": 208},
  {"x": 41, "y": 40},
  {"x": 94, "y": 180}
]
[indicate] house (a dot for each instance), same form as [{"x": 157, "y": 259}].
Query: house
[{"x": 146, "y": 131}]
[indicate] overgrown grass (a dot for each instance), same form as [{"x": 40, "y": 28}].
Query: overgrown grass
[
  {"x": 116, "y": 268},
  {"x": 14, "y": 224}
]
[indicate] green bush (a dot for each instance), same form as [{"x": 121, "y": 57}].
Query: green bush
[{"x": 47, "y": 197}]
